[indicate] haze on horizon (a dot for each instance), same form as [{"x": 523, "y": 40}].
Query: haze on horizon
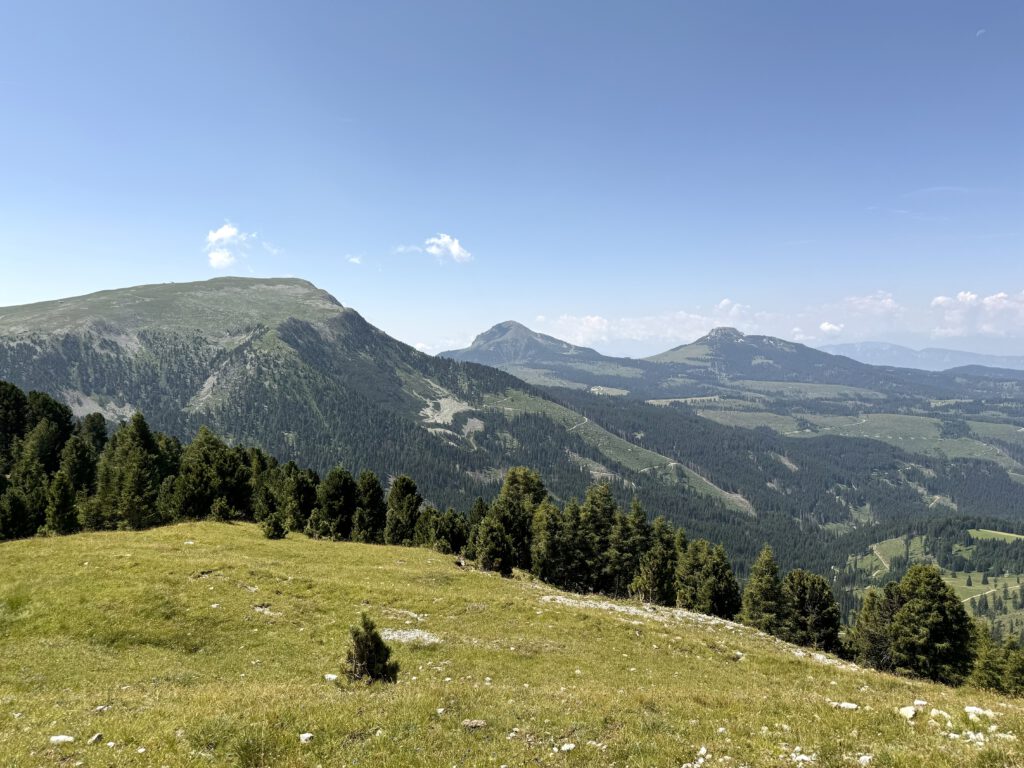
[{"x": 621, "y": 177}]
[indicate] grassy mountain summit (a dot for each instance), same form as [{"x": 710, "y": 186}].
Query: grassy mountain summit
[
  {"x": 215, "y": 651},
  {"x": 511, "y": 343}
]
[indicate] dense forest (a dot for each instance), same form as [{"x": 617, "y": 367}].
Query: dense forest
[{"x": 61, "y": 475}]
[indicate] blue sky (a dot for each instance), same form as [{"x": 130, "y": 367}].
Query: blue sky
[{"x": 623, "y": 175}]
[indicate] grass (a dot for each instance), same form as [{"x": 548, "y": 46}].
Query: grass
[
  {"x": 985, "y": 533},
  {"x": 161, "y": 629}
]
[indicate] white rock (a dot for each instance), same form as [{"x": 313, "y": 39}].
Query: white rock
[
  {"x": 111, "y": 744},
  {"x": 908, "y": 712},
  {"x": 440, "y": 710},
  {"x": 61, "y": 739},
  {"x": 95, "y": 738},
  {"x": 920, "y": 703},
  {"x": 141, "y": 750},
  {"x": 979, "y": 711},
  {"x": 864, "y": 760},
  {"x": 330, "y": 678},
  {"x": 568, "y": 747},
  {"x": 940, "y": 713},
  {"x": 845, "y": 705},
  {"x": 474, "y": 723},
  {"x": 305, "y": 738}
]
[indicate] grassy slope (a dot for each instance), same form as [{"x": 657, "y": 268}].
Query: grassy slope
[{"x": 125, "y": 620}]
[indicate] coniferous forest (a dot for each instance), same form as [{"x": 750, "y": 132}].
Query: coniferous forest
[{"x": 61, "y": 475}]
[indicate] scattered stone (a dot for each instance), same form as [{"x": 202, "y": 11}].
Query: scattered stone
[
  {"x": 264, "y": 608},
  {"x": 920, "y": 703},
  {"x": 61, "y": 739},
  {"x": 473, "y": 724},
  {"x": 940, "y": 713},
  {"x": 102, "y": 708},
  {"x": 410, "y": 636},
  {"x": 189, "y": 543},
  {"x": 864, "y": 759},
  {"x": 844, "y": 705},
  {"x": 976, "y": 713},
  {"x": 908, "y": 713},
  {"x": 111, "y": 744},
  {"x": 94, "y": 739},
  {"x": 305, "y": 738},
  {"x": 440, "y": 711},
  {"x": 330, "y": 678},
  {"x": 568, "y": 747},
  {"x": 141, "y": 750}
]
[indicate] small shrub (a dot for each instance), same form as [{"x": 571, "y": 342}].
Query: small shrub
[
  {"x": 369, "y": 657},
  {"x": 273, "y": 527}
]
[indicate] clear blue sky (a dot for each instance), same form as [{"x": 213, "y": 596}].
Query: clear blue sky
[{"x": 624, "y": 175}]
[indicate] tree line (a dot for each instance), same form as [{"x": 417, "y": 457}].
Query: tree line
[{"x": 61, "y": 475}]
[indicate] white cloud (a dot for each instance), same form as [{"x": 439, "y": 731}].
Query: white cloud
[
  {"x": 980, "y": 32},
  {"x": 422, "y": 347},
  {"x": 879, "y": 304},
  {"x": 831, "y": 329},
  {"x": 221, "y": 258},
  {"x": 999, "y": 314},
  {"x": 225, "y": 234},
  {"x": 445, "y": 246},
  {"x": 227, "y": 244},
  {"x": 354, "y": 259}
]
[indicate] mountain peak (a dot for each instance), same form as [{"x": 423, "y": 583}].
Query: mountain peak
[
  {"x": 723, "y": 333},
  {"x": 512, "y": 343}
]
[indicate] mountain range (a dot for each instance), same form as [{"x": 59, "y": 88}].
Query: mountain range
[
  {"x": 929, "y": 359},
  {"x": 742, "y": 439}
]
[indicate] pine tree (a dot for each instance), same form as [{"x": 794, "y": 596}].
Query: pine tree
[
  {"x": 764, "y": 605},
  {"x": 494, "y": 546},
  {"x": 128, "y": 479},
  {"x": 13, "y": 420},
  {"x": 630, "y": 537},
  {"x": 655, "y": 578},
  {"x": 813, "y": 615},
  {"x": 521, "y": 491},
  {"x": 704, "y": 581},
  {"x": 404, "y": 503},
  {"x": 61, "y": 516},
  {"x": 337, "y": 498},
  {"x": 369, "y": 658},
  {"x": 546, "y": 553},
  {"x": 598, "y": 514},
  {"x": 371, "y": 513},
  {"x": 273, "y": 526}
]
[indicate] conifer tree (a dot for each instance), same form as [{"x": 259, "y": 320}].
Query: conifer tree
[
  {"x": 704, "y": 581},
  {"x": 521, "y": 491},
  {"x": 494, "y": 546},
  {"x": 764, "y": 605},
  {"x": 813, "y": 615},
  {"x": 370, "y": 516},
  {"x": 404, "y": 503},
  {"x": 61, "y": 516},
  {"x": 546, "y": 554},
  {"x": 13, "y": 420},
  {"x": 337, "y": 498},
  {"x": 598, "y": 515},
  {"x": 78, "y": 462},
  {"x": 128, "y": 479},
  {"x": 369, "y": 658},
  {"x": 655, "y": 578},
  {"x": 450, "y": 532}
]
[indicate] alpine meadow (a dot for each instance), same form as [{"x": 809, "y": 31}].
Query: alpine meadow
[{"x": 495, "y": 385}]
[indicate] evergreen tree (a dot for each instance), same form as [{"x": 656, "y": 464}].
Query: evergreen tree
[
  {"x": 630, "y": 537},
  {"x": 13, "y": 421},
  {"x": 93, "y": 430},
  {"x": 521, "y": 491},
  {"x": 494, "y": 546},
  {"x": 404, "y": 503},
  {"x": 575, "y": 557},
  {"x": 813, "y": 611},
  {"x": 35, "y": 457},
  {"x": 370, "y": 516},
  {"x": 337, "y": 498},
  {"x": 296, "y": 495},
  {"x": 369, "y": 658},
  {"x": 15, "y": 521},
  {"x": 916, "y": 626},
  {"x": 450, "y": 532},
  {"x": 764, "y": 605},
  {"x": 655, "y": 578},
  {"x": 598, "y": 515},
  {"x": 208, "y": 471},
  {"x": 273, "y": 526},
  {"x": 42, "y": 407},
  {"x": 128, "y": 479},
  {"x": 78, "y": 462},
  {"x": 704, "y": 581},
  {"x": 546, "y": 554},
  {"x": 61, "y": 515}
]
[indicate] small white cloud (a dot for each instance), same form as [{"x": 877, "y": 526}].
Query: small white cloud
[
  {"x": 540, "y": 319},
  {"x": 221, "y": 258},
  {"x": 408, "y": 249},
  {"x": 980, "y": 32},
  {"x": 941, "y": 301},
  {"x": 227, "y": 244},
  {"x": 225, "y": 234},
  {"x": 797, "y": 334},
  {"x": 879, "y": 303},
  {"x": 422, "y": 347},
  {"x": 445, "y": 246},
  {"x": 830, "y": 329},
  {"x": 967, "y": 297},
  {"x": 354, "y": 259}
]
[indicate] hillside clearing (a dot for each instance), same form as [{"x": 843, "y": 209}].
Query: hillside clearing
[{"x": 153, "y": 640}]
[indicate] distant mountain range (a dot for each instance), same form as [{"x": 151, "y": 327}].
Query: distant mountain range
[
  {"x": 282, "y": 364},
  {"x": 930, "y": 359}
]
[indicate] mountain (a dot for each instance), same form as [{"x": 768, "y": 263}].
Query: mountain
[
  {"x": 282, "y": 364},
  {"x": 513, "y": 344},
  {"x": 929, "y": 359}
]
